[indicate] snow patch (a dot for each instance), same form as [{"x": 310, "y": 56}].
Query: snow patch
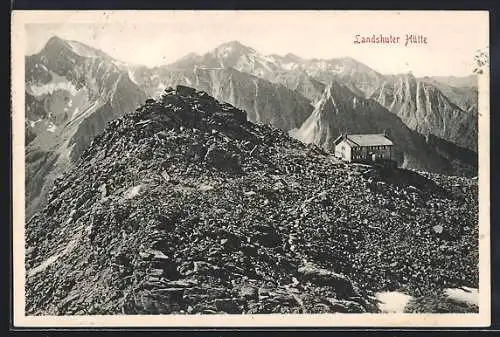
[
  {"x": 50, "y": 88},
  {"x": 75, "y": 113},
  {"x": 81, "y": 49},
  {"x": 34, "y": 123},
  {"x": 39, "y": 65},
  {"x": 205, "y": 187},
  {"x": 131, "y": 76},
  {"x": 188, "y": 81},
  {"x": 51, "y": 127},
  {"x": 463, "y": 294},
  {"x": 393, "y": 301},
  {"x": 133, "y": 192},
  {"x": 289, "y": 66},
  {"x": 58, "y": 83},
  {"x": 307, "y": 132},
  {"x": 42, "y": 266}
]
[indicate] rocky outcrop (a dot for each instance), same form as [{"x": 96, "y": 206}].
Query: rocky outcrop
[
  {"x": 148, "y": 222},
  {"x": 265, "y": 102}
]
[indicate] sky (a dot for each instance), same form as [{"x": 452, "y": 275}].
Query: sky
[{"x": 155, "y": 38}]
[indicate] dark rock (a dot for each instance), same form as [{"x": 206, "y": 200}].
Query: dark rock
[
  {"x": 339, "y": 282},
  {"x": 249, "y": 292},
  {"x": 221, "y": 159},
  {"x": 228, "y": 305},
  {"x": 185, "y": 91}
]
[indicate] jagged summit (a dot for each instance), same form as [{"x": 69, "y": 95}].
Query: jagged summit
[
  {"x": 232, "y": 49},
  {"x": 292, "y": 57},
  {"x": 57, "y": 45},
  {"x": 233, "y": 43},
  {"x": 55, "y": 40}
]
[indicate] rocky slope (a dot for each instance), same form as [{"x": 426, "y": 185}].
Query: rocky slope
[
  {"x": 72, "y": 91},
  {"x": 184, "y": 206},
  {"x": 461, "y": 91},
  {"x": 469, "y": 81},
  {"x": 341, "y": 110},
  {"x": 424, "y": 108}
]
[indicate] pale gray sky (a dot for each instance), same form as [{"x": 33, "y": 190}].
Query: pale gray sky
[{"x": 157, "y": 38}]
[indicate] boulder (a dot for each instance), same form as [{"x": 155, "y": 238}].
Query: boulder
[
  {"x": 249, "y": 292},
  {"x": 228, "y": 305},
  {"x": 221, "y": 159},
  {"x": 320, "y": 276},
  {"x": 185, "y": 91}
]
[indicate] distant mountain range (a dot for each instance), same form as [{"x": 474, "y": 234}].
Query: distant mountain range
[{"x": 73, "y": 90}]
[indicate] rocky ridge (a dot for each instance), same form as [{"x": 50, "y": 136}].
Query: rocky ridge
[
  {"x": 425, "y": 109},
  {"x": 184, "y": 206},
  {"x": 72, "y": 91}
]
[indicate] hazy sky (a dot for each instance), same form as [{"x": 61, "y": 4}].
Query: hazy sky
[{"x": 156, "y": 38}]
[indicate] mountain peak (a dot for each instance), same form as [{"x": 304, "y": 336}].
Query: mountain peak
[
  {"x": 234, "y": 43},
  {"x": 293, "y": 57},
  {"x": 56, "y": 39},
  {"x": 56, "y": 42},
  {"x": 234, "y": 46}
]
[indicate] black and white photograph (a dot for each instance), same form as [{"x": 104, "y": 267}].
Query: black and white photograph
[{"x": 250, "y": 168}]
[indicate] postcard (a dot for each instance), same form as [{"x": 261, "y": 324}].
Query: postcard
[{"x": 251, "y": 168}]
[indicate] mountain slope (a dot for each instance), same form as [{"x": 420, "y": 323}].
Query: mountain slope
[
  {"x": 423, "y": 108},
  {"x": 232, "y": 54},
  {"x": 72, "y": 90},
  {"x": 462, "y": 92},
  {"x": 265, "y": 102},
  {"x": 301, "y": 82},
  {"x": 296, "y": 73},
  {"x": 183, "y": 206},
  {"x": 340, "y": 110},
  {"x": 457, "y": 81}
]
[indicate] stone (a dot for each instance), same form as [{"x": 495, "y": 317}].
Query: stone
[
  {"x": 185, "y": 91},
  {"x": 339, "y": 282},
  {"x": 228, "y": 305},
  {"x": 249, "y": 292}
]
